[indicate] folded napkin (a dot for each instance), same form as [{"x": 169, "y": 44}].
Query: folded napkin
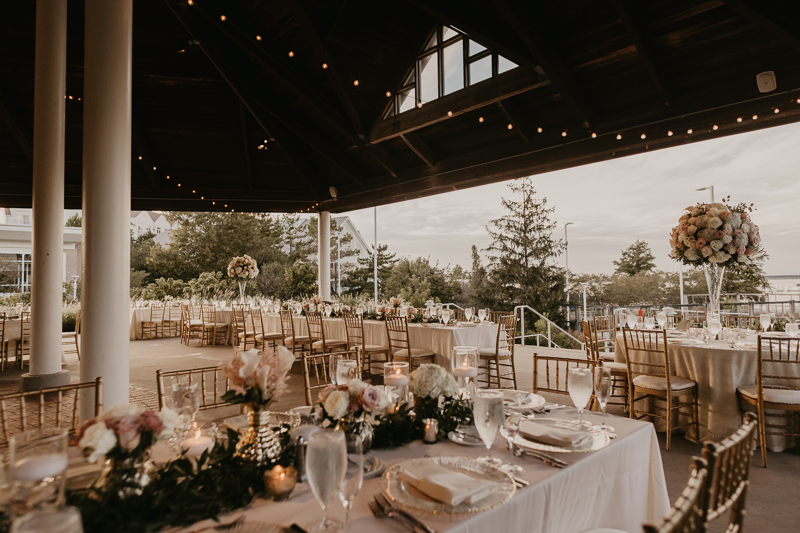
[
  {"x": 683, "y": 325},
  {"x": 553, "y": 436},
  {"x": 446, "y": 485}
]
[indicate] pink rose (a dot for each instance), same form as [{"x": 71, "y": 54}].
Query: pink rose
[
  {"x": 150, "y": 421},
  {"x": 128, "y": 432},
  {"x": 720, "y": 234},
  {"x": 749, "y": 251},
  {"x": 370, "y": 397},
  {"x": 353, "y": 406},
  {"x": 741, "y": 250},
  {"x": 701, "y": 243}
]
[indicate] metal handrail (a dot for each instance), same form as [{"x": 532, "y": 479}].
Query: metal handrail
[
  {"x": 447, "y": 305},
  {"x": 550, "y": 344}
]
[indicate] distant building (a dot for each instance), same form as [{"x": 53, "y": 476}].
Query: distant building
[
  {"x": 15, "y": 242},
  {"x": 358, "y": 243}
]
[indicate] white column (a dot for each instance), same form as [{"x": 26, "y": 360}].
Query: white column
[
  {"x": 48, "y": 196},
  {"x": 105, "y": 291},
  {"x": 324, "y": 249}
]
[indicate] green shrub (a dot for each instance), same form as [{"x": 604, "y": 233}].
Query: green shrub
[{"x": 69, "y": 316}]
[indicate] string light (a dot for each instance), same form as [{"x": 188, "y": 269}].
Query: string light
[
  {"x": 260, "y": 146},
  {"x": 715, "y": 128},
  {"x": 179, "y": 51},
  {"x": 449, "y": 113},
  {"x": 179, "y": 185},
  {"x": 388, "y": 94},
  {"x": 511, "y": 126},
  {"x": 619, "y": 136},
  {"x": 167, "y": 177},
  {"x": 480, "y": 119},
  {"x": 223, "y": 18},
  {"x": 154, "y": 168},
  {"x": 594, "y": 136},
  {"x": 291, "y": 54},
  {"x": 213, "y": 203},
  {"x": 689, "y": 130},
  {"x": 669, "y": 133},
  {"x": 755, "y": 117},
  {"x": 776, "y": 109},
  {"x": 419, "y": 105},
  {"x": 644, "y": 136},
  {"x": 190, "y": 2},
  {"x": 539, "y": 130},
  {"x": 563, "y": 133},
  {"x": 258, "y": 37},
  {"x": 739, "y": 119},
  {"x": 202, "y": 197},
  {"x": 324, "y": 66},
  {"x": 140, "y": 158},
  {"x": 193, "y": 191},
  {"x": 79, "y": 99},
  {"x": 226, "y": 205},
  {"x": 355, "y": 82},
  {"x": 70, "y": 97}
]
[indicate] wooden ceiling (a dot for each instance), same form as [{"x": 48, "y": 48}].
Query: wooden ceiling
[{"x": 224, "y": 118}]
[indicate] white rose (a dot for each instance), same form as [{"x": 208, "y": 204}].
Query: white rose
[
  {"x": 285, "y": 359},
  {"x": 354, "y": 386},
  {"x": 706, "y": 251},
  {"x": 170, "y": 419},
  {"x": 336, "y": 404},
  {"x": 746, "y": 227},
  {"x": 250, "y": 358},
  {"x": 717, "y": 245},
  {"x": 121, "y": 411},
  {"x": 99, "y": 439}
]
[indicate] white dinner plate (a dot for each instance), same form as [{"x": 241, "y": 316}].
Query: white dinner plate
[
  {"x": 528, "y": 400},
  {"x": 599, "y": 440}
]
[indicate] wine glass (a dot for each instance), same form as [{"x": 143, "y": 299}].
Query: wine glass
[
  {"x": 336, "y": 308},
  {"x": 298, "y": 308},
  {"x": 661, "y": 318},
  {"x": 445, "y": 316},
  {"x": 326, "y": 466},
  {"x": 353, "y": 478},
  {"x": 342, "y": 369},
  {"x": 649, "y": 322},
  {"x": 360, "y": 310},
  {"x": 328, "y": 310},
  {"x": 481, "y": 315},
  {"x": 580, "y": 385},
  {"x": 631, "y": 321},
  {"x": 186, "y": 402},
  {"x": 487, "y": 409},
  {"x": 602, "y": 391},
  {"x": 714, "y": 327},
  {"x": 765, "y": 321}
]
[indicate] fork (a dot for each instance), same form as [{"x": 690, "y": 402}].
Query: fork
[
  {"x": 379, "y": 512},
  {"x": 386, "y": 505}
]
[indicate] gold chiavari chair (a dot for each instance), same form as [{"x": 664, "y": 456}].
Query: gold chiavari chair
[
  {"x": 69, "y": 339},
  {"x": 502, "y": 355},
  {"x": 319, "y": 342},
  {"x": 596, "y": 337},
  {"x": 729, "y": 472},
  {"x": 650, "y": 380},
  {"x": 211, "y": 381},
  {"x": 494, "y": 316},
  {"x": 154, "y": 323},
  {"x": 298, "y": 344},
  {"x": 213, "y": 329},
  {"x": 23, "y": 343},
  {"x": 356, "y": 340},
  {"x": 777, "y": 390},
  {"x": 458, "y": 315},
  {"x": 740, "y": 321},
  {"x": 318, "y": 365},
  {"x": 172, "y": 321},
  {"x": 192, "y": 323},
  {"x": 244, "y": 336},
  {"x": 3, "y": 342},
  {"x": 50, "y": 407},
  {"x": 400, "y": 343},
  {"x": 556, "y": 373},
  {"x": 264, "y": 337}
]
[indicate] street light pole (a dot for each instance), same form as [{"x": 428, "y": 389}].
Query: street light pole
[
  {"x": 339, "y": 263},
  {"x": 375, "y": 256},
  {"x": 566, "y": 256},
  {"x": 585, "y": 313},
  {"x": 75, "y": 279}
]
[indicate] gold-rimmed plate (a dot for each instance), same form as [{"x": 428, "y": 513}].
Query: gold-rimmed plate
[
  {"x": 407, "y": 496},
  {"x": 520, "y": 399},
  {"x": 599, "y": 440}
]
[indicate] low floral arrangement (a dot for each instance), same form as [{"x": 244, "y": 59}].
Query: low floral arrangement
[
  {"x": 258, "y": 377},
  {"x": 124, "y": 431},
  {"x": 353, "y": 401},
  {"x": 244, "y": 267},
  {"x": 715, "y": 233}
]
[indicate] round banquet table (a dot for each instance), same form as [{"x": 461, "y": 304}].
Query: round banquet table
[
  {"x": 141, "y": 314},
  {"x": 718, "y": 371}
]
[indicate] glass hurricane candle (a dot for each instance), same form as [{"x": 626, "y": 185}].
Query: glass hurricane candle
[{"x": 395, "y": 381}]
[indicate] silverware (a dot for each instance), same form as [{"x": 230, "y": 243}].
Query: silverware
[
  {"x": 386, "y": 505},
  {"x": 379, "y": 512},
  {"x": 521, "y": 483},
  {"x": 552, "y": 461}
]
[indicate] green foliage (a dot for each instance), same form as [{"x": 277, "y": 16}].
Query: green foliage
[
  {"x": 138, "y": 278},
  {"x": 417, "y": 281},
  {"x": 68, "y": 289},
  {"x": 15, "y": 298},
  {"x": 361, "y": 280},
  {"x": 69, "y": 316},
  {"x": 271, "y": 278},
  {"x": 635, "y": 258},
  {"x": 297, "y": 238},
  {"x": 141, "y": 248},
  {"x": 301, "y": 278},
  {"x": 212, "y": 286},
  {"x": 74, "y": 221},
  {"x": 405, "y": 425}
]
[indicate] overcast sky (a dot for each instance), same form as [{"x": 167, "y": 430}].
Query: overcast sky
[{"x": 614, "y": 203}]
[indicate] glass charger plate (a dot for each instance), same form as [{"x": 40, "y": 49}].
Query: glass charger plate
[
  {"x": 409, "y": 497},
  {"x": 529, "y": 399},
  {"x": 599, "y": 439}
]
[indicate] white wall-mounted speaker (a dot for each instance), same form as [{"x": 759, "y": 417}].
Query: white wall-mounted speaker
[{"x": 766, "y": 82}]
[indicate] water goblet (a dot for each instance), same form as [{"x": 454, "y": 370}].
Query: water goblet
[
  {"x": 351, "y": 484},
  {"x": 602, "y": 391},
  {"x": 326, "y": 466},
  {"x": 649, "y": 322},
  {"x": 765, "y": 319},
  {"x": 661, "y": 319},
  {"x": 468, "y": 312},
  {"x": 360, "y": 310},
  {"x": 37, "y": 466},
  {"x": 445, "y": 316},
  {"x": 481, "y": 315},
  {"x": 714, "y": 327},
  {"x": 792, "y": 329},
  {"x": 487, "y": 409},
  {"x": 580, "y": 386},
  {"x": 631, "y": 321}
]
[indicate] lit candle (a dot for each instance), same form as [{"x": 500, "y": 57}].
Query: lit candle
[
  {"x": 431, "y": 430},
  {"x": 38, "y": 467},
  {"x": 280, "y": 482},
  {"x": 195, "y": 446},
  {"x": 465, "y": 371},
  {"x": 396, "y": 380}
]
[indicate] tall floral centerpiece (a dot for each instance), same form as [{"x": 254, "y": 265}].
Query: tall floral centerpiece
[
  {"x": 715, "y": 236},
  {"x": 123, "y": 435},
  {"x": 243, "y": 268},
  {"x": 257, "y": 378},
  {"x": 347, "y": 408}
]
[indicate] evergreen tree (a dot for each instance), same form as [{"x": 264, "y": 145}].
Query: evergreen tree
[
  {"x": 523, "y": 252},
  {"x": 635, "y": 258},
  {"x": 361, "y": 279},
  {"x": 296, "y": 240},
  {"x": 74, "y": 221}
]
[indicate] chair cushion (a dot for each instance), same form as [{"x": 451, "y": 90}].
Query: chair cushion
[
  {"x": 607, "y": 356},
  {"x": 376, "y": 348},
  {"x": 272, "y": 335},
  {"x": 415, "y": 352},
  {"x": 616, "y": 367},
  {"x": 329, "y": 343},
  {"x": 196, "y": 322},
  {"x": 491, "y": 351},
  {"x": 659, "y": 383},
  {"x": 789, "y": 397},
  {"x": 296, "y": 340}
]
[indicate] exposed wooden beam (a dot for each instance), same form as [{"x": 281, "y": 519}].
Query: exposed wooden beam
[
  {"x": 12, "y": 123},
  {"x": 456, "y": 13},
  {"x": 246, "y": 146},
  {"x": 335, "y": 23},
  {"x": 645, "y": 48},
  {"x": 142, "y": 149},
  {"x": 531, "y": 33},
  {"x": 487, "y": 92},
  {"x": 243, "y": 92},
  {"x": 516, "y": 118},
  {"x": 419, "y": 147},
  {"x": 779, "y": 30}
]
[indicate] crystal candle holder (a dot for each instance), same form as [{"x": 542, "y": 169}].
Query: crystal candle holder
[
  {"x": 38, "y": 462},
  {"x": 280, "y": 482},
  {"x": 465, "y": 368},
  {"x": 395, "y": 381}
]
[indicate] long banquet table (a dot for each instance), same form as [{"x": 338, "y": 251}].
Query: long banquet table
[
  {"x": 620, "y": 487},
  {"x": 718, "y": 371}
]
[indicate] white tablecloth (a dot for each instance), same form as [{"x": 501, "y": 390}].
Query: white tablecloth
[
  {"x": 718, "y": 371},
  {"x": 436, "y": 339},
  {"x": 142, "y": 314},
  {"x": 620, "y": 486}
]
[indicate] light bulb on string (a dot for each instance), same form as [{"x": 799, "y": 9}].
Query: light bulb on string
[
  {"x": 213, "y": 203},
  {"x": 167, "y": 177},
  {"x": 190, "y": 2},
  {"x": 619, "y": 136},
  {"x": 388, "y": 94},
  {"x": 419, "y": 105},
  {"x": 154, "y": 168},
  {"x": 291, "y": 54},
  {"x": 179, "y": 185},
  {"x": 324, "y": 66},
  {"x": 715, "y": 128},
  {"x": 644, "y": 136},
  {"x": 258, "y": 37},
  {"x": 777, "y": 110},
  {"x": 140, "y": 158},
  {"x": 594, "y": 135},
  {"x": 223, "y": 18},
  {"x": 539, "y": 130},
  {"x": 511, "y": 126},
  {"x": 480, "y": 119},
  {"x": 689, "y": 130},
  {"x": 563, "y": 133},
  {"x": 669, "y": 133},
  {"x": 755, "y": 117},
  {"x": 739, "y": 119},
  {"x": 355, "y": 82}
]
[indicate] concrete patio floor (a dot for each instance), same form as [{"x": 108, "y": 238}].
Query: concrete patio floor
[{"x": 773, "y": 490}]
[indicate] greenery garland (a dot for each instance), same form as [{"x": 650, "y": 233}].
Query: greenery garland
[{"x": 405, "y": 424}]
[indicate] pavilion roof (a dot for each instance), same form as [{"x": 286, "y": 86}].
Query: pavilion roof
[{"x": 240, "y": 113}]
